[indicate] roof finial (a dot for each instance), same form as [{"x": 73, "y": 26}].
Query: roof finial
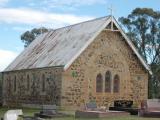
[
  {"x": 111, "y": 14},
  {"x": 111, "y": 10}
]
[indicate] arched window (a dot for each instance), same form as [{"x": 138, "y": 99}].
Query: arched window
[
  {"x": 43, "y": 82},
  {"x": 9, "y": 84},
  {"x": 99, "y": 83},
  {"x": 108, "y": 81},
  {"x": 116, "y": 83},
  {"x": 9, "y": 81},
  {"x": 15, "y": 86},
  {"x": 21, "y": 77},
  {"x": 28, "y": 82}
]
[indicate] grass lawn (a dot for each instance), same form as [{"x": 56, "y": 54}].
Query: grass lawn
[
  {"x": 115, "y": 118},
  {"x": 30, "y": 112}
]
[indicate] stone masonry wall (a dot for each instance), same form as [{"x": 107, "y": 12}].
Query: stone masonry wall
[
  {"x": 108, "y": 52},
  {"x": 36, "y": 86}
]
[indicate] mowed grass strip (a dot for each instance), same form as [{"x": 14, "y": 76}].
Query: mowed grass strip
[{"x": 30, "y": 112}]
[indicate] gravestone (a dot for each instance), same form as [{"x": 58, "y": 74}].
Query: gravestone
[
  {"x": 91, "y": 106},
  {"x": 150, "y": 108},
  {"x": 124, "y": 105},
  {"x": 153, "y": 105},
  {"x": 49, "y": 109},
  {"x": 12, "y": 114}
]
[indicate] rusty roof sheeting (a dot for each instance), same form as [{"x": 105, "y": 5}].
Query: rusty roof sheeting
[{"x": 57, "y": 47}]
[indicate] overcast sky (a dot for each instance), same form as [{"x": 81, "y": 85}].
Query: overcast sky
[{"x": 17, "y": 16}]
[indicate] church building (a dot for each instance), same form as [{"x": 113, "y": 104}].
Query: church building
[{"x": 70, "y": 66}]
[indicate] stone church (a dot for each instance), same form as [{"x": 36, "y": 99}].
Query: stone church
[{"x": 70, "y": 66}]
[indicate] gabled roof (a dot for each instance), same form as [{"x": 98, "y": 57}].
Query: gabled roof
[{"x": 62, "y": 46}]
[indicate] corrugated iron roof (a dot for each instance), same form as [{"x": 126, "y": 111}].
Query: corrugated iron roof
[
  {"x": 57, "y": 47},
  {"x": 62, "y": 46}
]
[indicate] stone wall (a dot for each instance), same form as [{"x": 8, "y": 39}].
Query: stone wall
[
  {"x": 108, "y": 52},
  {"x": 36, "y": 86},
  {"x": 77, "y": 85}
]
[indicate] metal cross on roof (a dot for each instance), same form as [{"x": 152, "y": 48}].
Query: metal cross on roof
[
  {"x": 111, "y": 14},
  {"x": 111, "y": 10}
]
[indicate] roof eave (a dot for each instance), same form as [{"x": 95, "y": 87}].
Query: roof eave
[{"x": 58, "y": 66}]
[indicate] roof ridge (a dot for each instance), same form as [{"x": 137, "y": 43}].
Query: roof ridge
[{"x": 80, "y": 23}]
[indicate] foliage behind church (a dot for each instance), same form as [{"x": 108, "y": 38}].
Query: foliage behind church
[{"x": 143, "y": 28}]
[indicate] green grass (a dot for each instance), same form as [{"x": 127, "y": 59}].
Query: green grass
[
  {"x": 115, "y": 118},
  {"x": 30, "y": 112}
]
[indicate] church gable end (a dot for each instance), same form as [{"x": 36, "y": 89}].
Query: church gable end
[{"x": 109, "y": 53}]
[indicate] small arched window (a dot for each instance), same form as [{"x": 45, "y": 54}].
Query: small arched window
[
  {"x": 108, "y": 81},
  {"x": 116, "y": 83},
  {"x": 43, "y": 82},
  {"x": 9, "y": 81},
  {"x": 21, "y": 77},
  {"x": 28, "y": 82},
  {"x": 99, "y": 83},
  {"x": 15, "y": 83}
]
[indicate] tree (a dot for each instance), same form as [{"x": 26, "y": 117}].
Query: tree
[
  {"x": 143, "y": 28},
  {"x": 28, "y": 36}
]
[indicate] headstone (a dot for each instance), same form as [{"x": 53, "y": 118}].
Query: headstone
[
  {"x": 123, "y": 103},
  {"x": 150, "y": 108},
  {"x": 91, "y": 106},
  {"x": 12, "y": 114},
  {"x": 49, "y": 109},
  {"x": 153, "y": 105}
]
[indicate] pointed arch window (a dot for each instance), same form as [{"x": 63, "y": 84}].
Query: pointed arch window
[
  {"x": 43, "y": 83},
  {"x": 116, "y": 84},
  {"x": 28, "y": 82},
  {"x": 108, "y": 81},
  {"x": 99, "y": 83},
  {"x": 15, "y": 83}
]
